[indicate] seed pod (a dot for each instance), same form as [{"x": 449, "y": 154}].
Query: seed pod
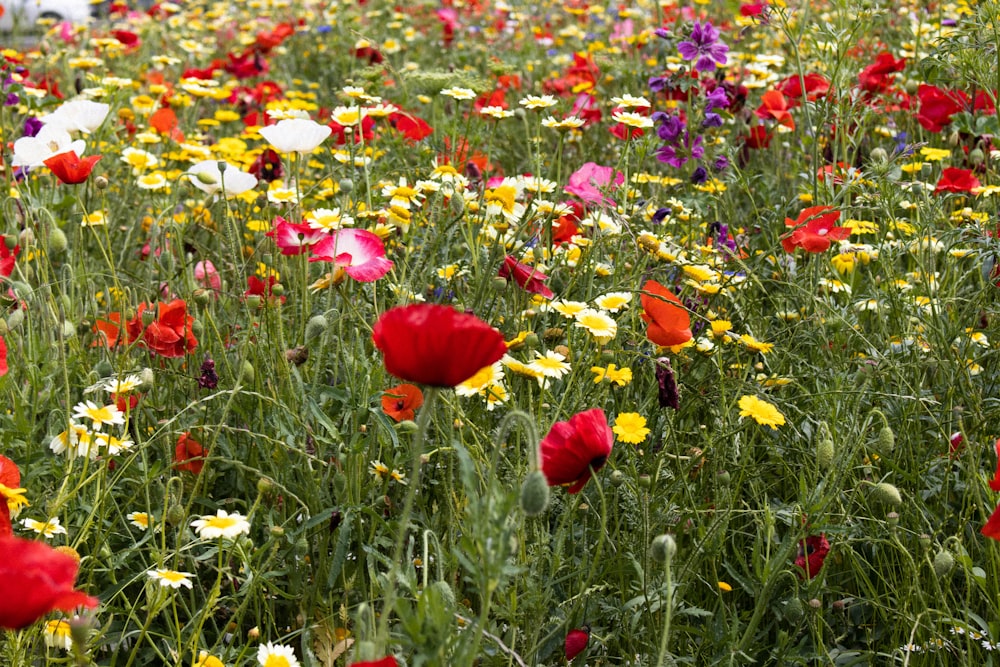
[
  {"x": 534, "y": 493},
  {"x": 617, "y": 478}
]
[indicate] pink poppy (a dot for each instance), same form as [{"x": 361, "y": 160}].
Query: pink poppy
[
  {"x": 587, "y": 182},
  {"x": 295, "y": 238},
  {"x": 359, "y": 252}
]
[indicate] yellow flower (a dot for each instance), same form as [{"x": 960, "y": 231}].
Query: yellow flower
[
  {"x": 630, "y": 427},
  {"x": 724, "y": 587},
  {"x": 763, "y": 413},
  {"x": 206, "y": 660},
  {"x": 756, "y": 345},
  {"x": 618, "y": 376}
]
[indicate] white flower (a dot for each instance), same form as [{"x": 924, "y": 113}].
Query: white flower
[
  {"x": 78, "y": 116},
  {"x": 99, "y": 415},
  {"x": 222, "y": 524},
  {"x": 51, "y": 140},
  {"x": 171, "y": 578},
  {"x": 207, "y": 177},
  {"x": 295, "y": 135},
  {"x": 276, "y": 655},
  {"x": 47, "y": 528},
  {"x": 57, "y": 635},
  {"x": 140, "y": 520}
]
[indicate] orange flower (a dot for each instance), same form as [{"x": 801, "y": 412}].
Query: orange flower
[
  {"x": 401, "y": 402},
  {"x": 668, "y": 321},
  {"x": 774, "y": 106},
  {"x": 188, "y": 454}
]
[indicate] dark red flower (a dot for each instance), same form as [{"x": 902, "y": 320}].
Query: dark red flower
[
  {"x": 937, "y": 106},
  {"x": 401, "y": 402},
  {"x": 758, "y": 137},
  {"x": 668, "y": 322},
  {"x": 954, "y": 179},
  {"x": 816, "y": 86},
  {"x": 188, "y": 454},
  {"x": 169, "y": 334},
  {"x": 527, "y": 277},
  {"x": 387, "y": 661},
  {"x": 34, "y": 580},
  {"x": 265, "y": 290},
  {"x": 435, "y": 344},
  {"x": 576, "y": 641},
  {"x": 412, "y": 127},
  {"x": 995, "y": 482},
  {"x": 877, "y": 77},
  {"x": 70, "y": 168},
  {"x": 573, "y": 450},
  {"x": 812, "y": 553},
  {"x": 815, "y": 229},
  {"x": 992, "y": 527},
  {"x": 268, "y": 166},
  {"x": 10, "y": 482}
]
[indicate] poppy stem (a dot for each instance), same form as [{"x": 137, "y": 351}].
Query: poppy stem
[
  {"x": 528, "y": 422},
  {"x": 668, "y": 612}
]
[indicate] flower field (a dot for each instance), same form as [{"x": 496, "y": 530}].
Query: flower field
[{"x": 482, "y": 333}]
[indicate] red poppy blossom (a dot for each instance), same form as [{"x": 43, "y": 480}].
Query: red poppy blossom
[
  {"x": 995, "y": 482},
  {"x": 576, "y": 641},
  {"x": 992, "y": 527},
  {"x": 668, "y": 322},
  {"x": 954, "y": 179},
  {"x": 527, "y": 277},
  {"x": 401, "y": 402},
  {"x": 261, "y": 288},
  {"x": 170, "y": 334},
  {"x": 758, "y": 137},
  {"x": 435, "y": 344},
  {"x": 188, "y": 454},
  {"x": 387, "y": 661},
  {"x": 812, "y": 554},
  {"x": 774, "y": 106},
  {"x": 573, "y": 450},
  {"x": 815, "y": 229},
  {"x": 412, "y": 127},
  {"x": 34, "y": 580},
  {"x": 877, "y": 77},
  {"x": 70, "y": 168},
  {"x": 937, "y": 106},
  {"x": 10, "y": 482},
  {"x": 816, "y": 86},
  {"x": 359, "y": 252}
]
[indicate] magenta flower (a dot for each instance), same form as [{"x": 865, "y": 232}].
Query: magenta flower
[
  {"x": 587, "y": 181},
  {"x": 295, "y": 238},
  {"x": 360, "y": 253},
  {"x": 705, "y": 47}
]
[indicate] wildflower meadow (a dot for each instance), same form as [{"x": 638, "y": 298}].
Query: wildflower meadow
[{"x": 494, "y": 333}]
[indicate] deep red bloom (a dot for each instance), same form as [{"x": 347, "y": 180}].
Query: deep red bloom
[
  {"x": 268, "y": 166},
  {"x": 435, "y": 344},
  {"x": 812, "y": 553},
  {"x": 954, "y": 179},
  {"x": 387, "y": 661},
  {"x": 668, "y": 322},
  {"x": 527, "y": 277},
  {"x": 994, "y": 483},
  {"x": 70, "y": 168},
  {"x": 576, "y": 641},
  {"x": 265, "y": 290},
  {"x": 401, "y": 402},
  {"x": 992, "y": 527},
  {"x": 10, "y": 479},
  {"x": 815, "y": 228},
  {"x": 34, "y": 580},
  {"x": 758, "y": 137},
  {"x": 573, "y": 450},
  {"x": 816, "y": 86},
  {"x": 170, "y": 334},
  {"x": 876, "y": 78},
  {"x": 937, "y": 106},
  {"x": 188, "y": 454}
]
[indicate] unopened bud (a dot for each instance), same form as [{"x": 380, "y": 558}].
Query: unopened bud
[
  {"x": 879, "y": 156},
  {"x": 976, "y": 157},
  {"x": 101, "y": 182},
  {"x": 447, "y": 594},
  {"x": 943, "y": 563},
  {"x": 277, "y": 289},
  {"x": 264, "y": 486},
  {"x": 407, "y": 426},
  {"x": 346, "y": 185},
  {"x": 617, "y": 478},
  {"x": 174, "y": 515},
  {"x": 885, "y": 493},
  {"x": 886, "y": 439},
  {"x": 663, "y": 549},
  {"x": 534, "y": 493},
  {"x": 57, "y": 241},
  {"x": 815, "y": 604},
  {"x": 315, "y": 327},
  {"x": 825, "y": 451},
  {"x": 247, "y": 373},
  {"x": 15, "y": 319}
]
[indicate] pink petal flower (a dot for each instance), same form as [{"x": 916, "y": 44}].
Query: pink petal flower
[
  {"x": 359, "y": 252},
  {"x": 295, "y": 238},
  {"x": 587, "y": 182}
]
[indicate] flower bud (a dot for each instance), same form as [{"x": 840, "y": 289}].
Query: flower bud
[
  {"x": 976, "y": 157},
  {"x": 531, "y": 341},
  {"x": 101, "y": 182},
  {"x": 315, "y": 327},
  {"x": 886, "y": 439},
  {"x": 825, "y": 451},
  {"x": 815, "y": 604},
  {"x": 174, "y": 515},
  {"x": 346, "y": 185},
  {"x": 15, "y": 319},
  {"x": 202, "y": 296},
  {"x": 264, "y": 486},
  {"x": 57, "y": 241},
  {"x": 147, "y": 377},
  {"x": 794, "y": 610},
  {"x": 943, "y": 563},
  {"x": 253, "y": 634},
  {"x": 247, "y": 373},
  {"x": 885, "y": 493},
  {"x": 617, "y": 478},
  {"x": 277, "y": 289},
  {"x": 534, "y": 493},
  {"x": 407, "y": 426},
  {"x": 446, "y": 593},
  {"x": 69, "y": 329},
  {"x": 879, "y": 156},
  {"x": 663, "y": 549}
]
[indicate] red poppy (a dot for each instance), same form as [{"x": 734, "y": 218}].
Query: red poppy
[
  {"x": 758, "y": 137},
  {"x": 954, "y": 179},
  {"x": 816, "y": 86},
  {"x": 668, "y": 322},
  {"x": 937, "y": 106},
  {"x": 992, "y": 527},
  {"x": 295, "y": 238},
  {"x": 387, "y": 661},
  {"x": 527, "y": 277},
  {"x": 812, "y": 553},
  {"x": 268, "y": 166},
  {"x": 995, "y": 482},
  {"x": 573, "y": 450},
  {"x": 576, "y": 641},
  {"x": 412, "y": 127},
  {"x": 774, "y": 106},
  {"x": 401, "y": 402},
  {"x": 34, "y": 580},
  {"x": 188, "y": 454},
  {"x": 70, "y": 168},
  {"x": 170, "y": 334},
  {"x": 877, "y": 77},
  {"x": 10, "y": 480},
  {"x": 815, "y": 229},
  {"x": 265, "y": 290},
  {"x": 435, "y": 344},
  {"x": 164, "y": 121}
]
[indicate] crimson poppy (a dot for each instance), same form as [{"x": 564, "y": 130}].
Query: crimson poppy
[
  {"x": 937, "y": 106},
  {"x": 169, "y": 334},
  {"x": 70, "y": 168},
  {"x": 758, "y": 137},
  {"x": 10, "y": 481},
  {"x": 7, "y": 258},
  {"x": 954, "y": 179},
  {"x": 412, "y": 127},
  {"x": 668, "y": 322},
  {"x": 188, "y": 454},
  {"x": 387, "y": 661},
  {"x": 573, "y": 450},
  {"x": 576, "y": 641},
  {"x": 261, "y": 288},
  {"x": 435, "y": 344},
  {"x": 527, "y": 277},
  {"x": 812, "y": 554},
  {"x": 774, "y": 106},
  {"x": 34, "y": 580},
  {"x": 816, "y": 86},
  {"x": 877, "y": 77},
  {"x": 815, "y": 228},
  {"x": 401, "y": 402},
  {"x": 992, "y": 527}
]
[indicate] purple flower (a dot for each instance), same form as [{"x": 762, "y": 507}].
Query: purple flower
[
  {"x": 705, "y": 47},
  {"x": 677, "y": 154},
  {"x": 711, "y": 119},
  {"x": 716, "y": 99},
  {"x": 658, "y": 83},
  {"x": 32, "y": 126},
  {"x": 670, "y": 126},
  {"x": 662, "y": 33},
  {"x": 699, "y": 176},
  {"x": 720, "y": 163}
]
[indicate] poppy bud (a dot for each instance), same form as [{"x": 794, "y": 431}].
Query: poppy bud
[
  {"x": 531, "y": 341},
  {"x": 407, "y": 426},
  {"x": 663, "y": 549},
  {"x": 885, "y": 493},
  {"x": 147, "y": 377},
  {"x": 617, "y": 478},
  {"x": 886, "y": 439},
  {"x": 457, "y": 203},
  {"x": 315, "y": 327},
  {"x": 247, "y": 373},
  {"x": 346, "y": 185},
  {"x": 534, "y": 493},
  {"x": 101, "y": 183},
  {"x": 794, "y": 610},
  {"x": 79, "y": 630},
  {"x": 879, "y": 156},
  {"x": 57, "y": 241},
  {"x": 15, "y": 319},
  {"x": 446, "y": 593},
  {"x": 174, "y": 515},
  {"x": 943, "y": 562},
  {"x": 954, "y": 138},
  {"x": 825, "y": 451},
  {"x": 69, "y": 329},
  {"x": 976, "y": 157},
  {"x": 277, "y": 289},
  {"x": 264, "y": 486},
  {"x": 924, "y": 541}
]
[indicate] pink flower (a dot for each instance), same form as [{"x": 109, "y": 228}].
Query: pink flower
[
  {"x": 587, "y": 181},
  {"x": 359, "y": 252},
  {"x": 295, "y": 238},
  {"x": 206, "y": 275}
]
